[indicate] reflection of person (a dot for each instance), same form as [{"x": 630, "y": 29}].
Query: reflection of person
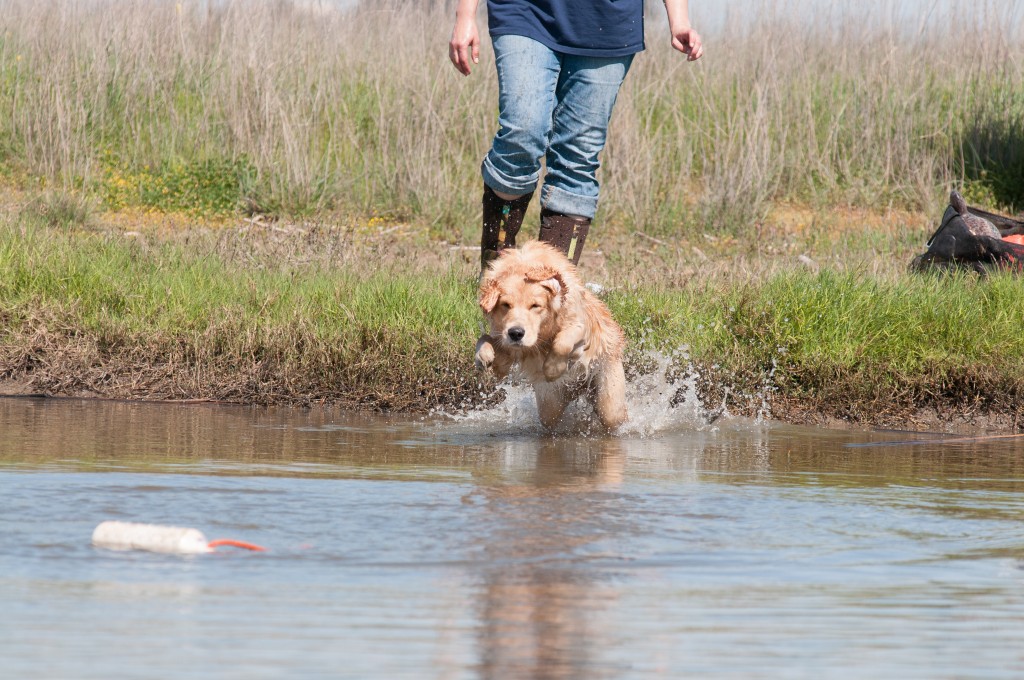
[
  {"x": 543, "y": 598},
  {"x": 560, "y": 64}
]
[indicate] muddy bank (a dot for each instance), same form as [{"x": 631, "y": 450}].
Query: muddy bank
[
  {"x": 74, "y": 364},
  {"x": 315, "y": 315},
  {"x": 81, "y": 370}
]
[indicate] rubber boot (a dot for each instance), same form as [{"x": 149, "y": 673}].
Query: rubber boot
[
  {"x": 568, "y": 233},
  {"x": 501, "y": 223}
]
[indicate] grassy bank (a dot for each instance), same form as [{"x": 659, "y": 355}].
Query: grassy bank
[
  {"x": 222, "y": 318},
  {"x": 266, "y": 108},
  {"x": 310, "y": 315},
  {"x": 260, "y": 202}
]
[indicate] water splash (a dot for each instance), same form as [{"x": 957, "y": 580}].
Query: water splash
[
  {"x": 768, "y": 387},
  {"x": 661, "y": 396}
]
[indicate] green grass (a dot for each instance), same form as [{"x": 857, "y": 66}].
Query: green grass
[
  {"x": 266, "y": 108},
  {"x": 812, "y": 328},
  {"x": 199, "y": 188},
  {"x": 205, "y": 318},
  {"x": 302, "y": 333},
  {"x": 57, "y": 209}
]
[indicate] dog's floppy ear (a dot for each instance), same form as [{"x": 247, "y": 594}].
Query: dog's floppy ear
[
  {"x": 549, "y": 278},
  {"x": 489, "y": 293}
]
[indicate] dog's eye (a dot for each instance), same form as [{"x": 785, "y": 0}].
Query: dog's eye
[
  {"x": 505, "y": 306},
  {"x": 536, "y": 306}
]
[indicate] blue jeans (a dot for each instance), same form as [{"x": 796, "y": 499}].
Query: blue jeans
[{"x": 554, "y": 106}]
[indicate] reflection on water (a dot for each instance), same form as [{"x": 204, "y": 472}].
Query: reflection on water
[
  {"x": 545, "y": 588},
  {"x": 481, "y": 548}
]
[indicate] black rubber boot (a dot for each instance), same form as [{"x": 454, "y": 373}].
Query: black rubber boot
[
  {"x": 501, "y": 223},
  {"x": 568, "y": 233}
]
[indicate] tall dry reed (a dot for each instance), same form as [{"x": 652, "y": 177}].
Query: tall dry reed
[{"x": 318, "y": 109}]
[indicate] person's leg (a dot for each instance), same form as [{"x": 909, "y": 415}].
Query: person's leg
[
  {"x": 502, "y": 218},
  {"x": 527, "y": 78},
  {"x": 586, "y": 92}
]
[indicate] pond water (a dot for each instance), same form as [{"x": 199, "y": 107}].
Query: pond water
[{"x": 478, "y": 547}]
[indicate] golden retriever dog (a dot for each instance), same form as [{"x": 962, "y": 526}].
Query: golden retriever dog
[{"x": 564, "y": 339}]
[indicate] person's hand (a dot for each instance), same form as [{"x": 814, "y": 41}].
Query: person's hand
[
  {"x": 687, "y": 41},
  {"x": 464, "y": 46}
]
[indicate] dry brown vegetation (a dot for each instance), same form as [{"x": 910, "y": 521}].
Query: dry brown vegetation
[{"x": 272, "y": 108}]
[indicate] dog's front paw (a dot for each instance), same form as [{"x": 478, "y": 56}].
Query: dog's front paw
[
  {"x": 578, "y": 350},
  {"x": 555, "y": 367},
  {"x": 484, "y": 354}
]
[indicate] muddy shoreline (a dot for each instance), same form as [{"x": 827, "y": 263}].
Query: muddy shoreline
[
  {"x": 949, "y": 419},
  {"x": 319, "y": 317}
]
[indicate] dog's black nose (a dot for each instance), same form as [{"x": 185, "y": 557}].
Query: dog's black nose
[{"x": 516, "y": 333}]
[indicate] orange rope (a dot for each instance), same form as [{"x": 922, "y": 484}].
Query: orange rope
[{"x": 236, "y": 544}]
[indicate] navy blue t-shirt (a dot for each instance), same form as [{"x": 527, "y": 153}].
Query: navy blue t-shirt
[{"x": 591, "y": 28}]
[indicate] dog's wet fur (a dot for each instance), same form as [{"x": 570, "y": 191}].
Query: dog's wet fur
[{"x": 563, "y": 337}]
